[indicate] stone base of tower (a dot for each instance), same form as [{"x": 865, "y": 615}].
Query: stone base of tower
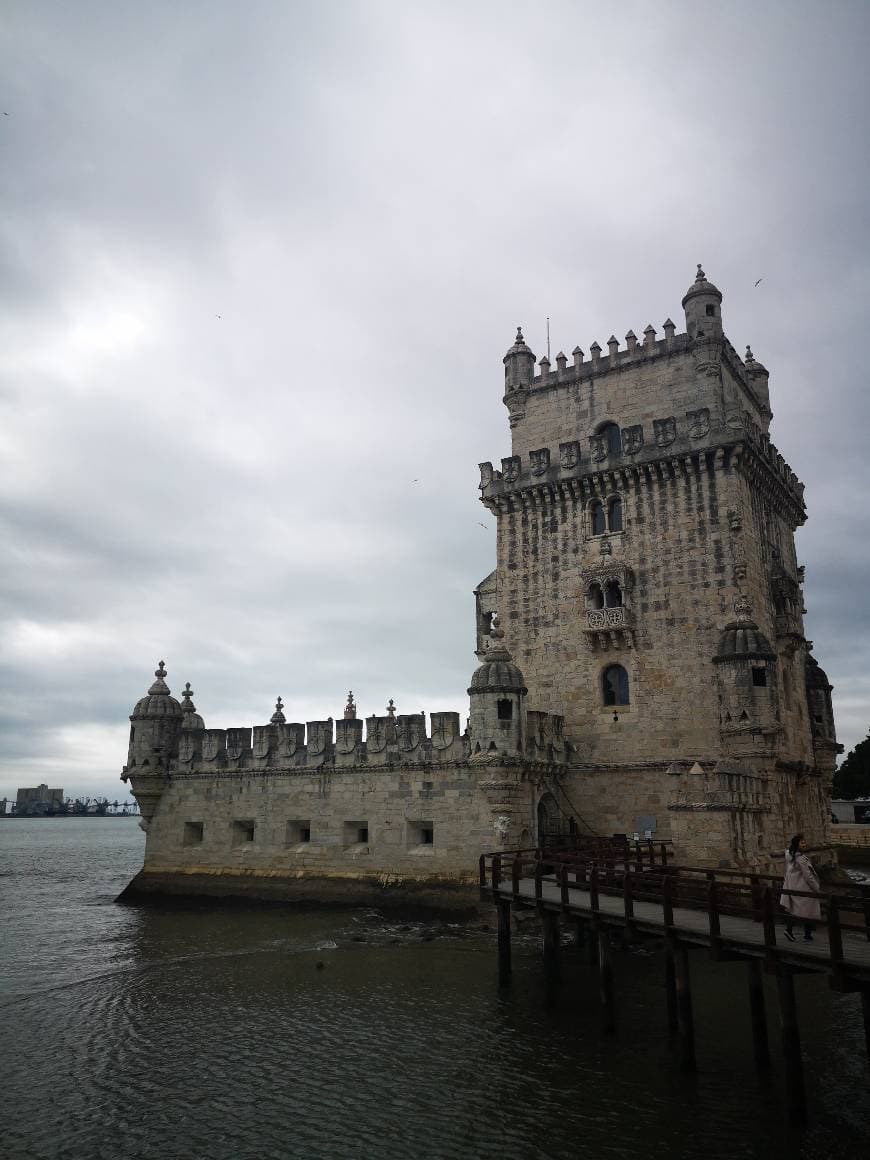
[{"x": 393, "y": 895}]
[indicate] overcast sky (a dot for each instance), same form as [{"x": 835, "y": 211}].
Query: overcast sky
[{"x": 260, "y": 264}]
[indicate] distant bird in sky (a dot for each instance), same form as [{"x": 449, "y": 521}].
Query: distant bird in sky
[
  {"x": 480, "y": 525},
  {"x": 759, "y": 280},
  {"x": 415, "y": 481},
  {"x": 218, "y": 316}
]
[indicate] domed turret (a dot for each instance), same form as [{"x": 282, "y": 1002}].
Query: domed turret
[
  {"x": 497, "y": 722},
  {"x": 759, "y": 377},
  {"x": 819, "y": 690},
  {"x": 743, "y": 640},
  {"x": 703, "y": 306},
  {"x": 519, "y": 364},
  {"x": 155, "y": 724},
  {"x": 190, "y": 718}
]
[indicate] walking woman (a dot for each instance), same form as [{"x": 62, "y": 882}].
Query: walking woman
[{"x": 800, "y": 875}]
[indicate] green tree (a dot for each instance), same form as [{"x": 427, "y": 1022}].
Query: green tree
[{"x": 852, "y": 779}]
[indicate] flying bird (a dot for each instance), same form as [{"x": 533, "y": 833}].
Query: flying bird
[
  {"x": 479, "y": 524},
  {"x": 218, "y": 316},
  {"x": 759, "y": 280}
]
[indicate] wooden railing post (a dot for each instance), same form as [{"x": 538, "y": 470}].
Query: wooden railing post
[
  {"x": 516, "y": 874},
  {"x": 768, "y": 921},
  {"x": 496, "y": 871},
  {"x": 539, "y": 880},
  {"x": 593, "y": 889},
  {"x": 627, "y": 899},
  {"x": 482, "y": 871},
  {"x": 835, "y": 934},
  {"x": 668, "y": 901},
  {"x": 563, "y": 883},
  {"x": 712, "y": 905},
  {"x": 754, "y": 897}
]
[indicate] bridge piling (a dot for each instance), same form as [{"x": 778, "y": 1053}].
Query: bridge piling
[
  {"x": 685, "y": 1018},
  {"x": 758, "y": 1014},
  {"x": 504, "y": 943},
  {"x": 865, "y": 1011},
  {"x": 605, "y": 982},
  {"x": 552, "y": 948},
  {"x": 671, "y": 988},
  {"x": 795, "y": 1094}
]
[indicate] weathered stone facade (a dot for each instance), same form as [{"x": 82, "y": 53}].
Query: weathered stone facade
[
  {"x": 647, "y": 600},
  {"x": 648, "y": 587}
]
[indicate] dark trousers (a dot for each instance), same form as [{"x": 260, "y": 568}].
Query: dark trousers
[{"x": 809, "y": 927}]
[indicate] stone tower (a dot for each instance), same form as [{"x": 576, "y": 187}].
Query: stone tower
[{"x": 648, "y": 587}]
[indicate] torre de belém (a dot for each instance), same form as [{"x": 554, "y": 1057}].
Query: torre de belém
[{"x": 643, "y": 664}]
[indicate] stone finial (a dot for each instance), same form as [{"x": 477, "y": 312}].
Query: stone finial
[
  {"x": 278, "y": 717},
  {"x": 350, "y": 707},
  {"x": 595, "y": 351},
  {"x": 391, "y": 709},
  {"x": 544, "y": 364},
  {"x": 519, "y": 337},
  {"x": 700, "y": 276},
  {"x": 613, "y": 345},
  {"x": 649, "y": 335},
  {"x": 578, "y": 356},
  {"x": 669, "y": 329},
  {"x": 750, "y": 357},
  {"x": 561, "y": 361},
  {"x": 631, "y": 340},
  {"x": 159, "y": 687},
  {"x": 187, "y": 705}
]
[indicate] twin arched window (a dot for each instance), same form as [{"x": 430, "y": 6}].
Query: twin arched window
[
  {"x": 614, "y": 683},
  {"x": 605, "y": 519},
  {"x": 610, "y": 596}
]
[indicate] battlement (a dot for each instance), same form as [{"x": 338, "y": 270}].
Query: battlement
[
  {"x": 669, "y": 438},
  {"x": 705, "y": 349}
]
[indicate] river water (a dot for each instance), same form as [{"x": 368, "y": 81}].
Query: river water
[{"x": 246, "y": 1034}]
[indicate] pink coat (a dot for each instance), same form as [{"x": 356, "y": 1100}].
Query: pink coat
[{"x": 800, "y": 875}]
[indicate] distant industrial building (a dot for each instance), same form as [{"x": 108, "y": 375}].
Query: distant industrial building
[{"x": 38, "y": 800}]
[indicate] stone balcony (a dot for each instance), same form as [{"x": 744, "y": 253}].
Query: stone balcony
[{"x": 610, "y": 627}]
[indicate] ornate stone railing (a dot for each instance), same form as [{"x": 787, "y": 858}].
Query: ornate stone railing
[{"x": 606, "y": 618}]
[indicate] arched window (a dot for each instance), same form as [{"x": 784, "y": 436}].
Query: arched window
[
  {"x": 612, "y": 594},
  {"x": 596, "y": 518},
  {"x": 594, "y": 596},
  {"x": 614, "y": 682},
  {"x": 505, "y": 710},
  {"x": 612, "y": 439},
  {"x": 614, "y": 514}
]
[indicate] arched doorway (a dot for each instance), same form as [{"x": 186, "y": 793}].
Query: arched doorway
[{"x": 549, "y": 819}]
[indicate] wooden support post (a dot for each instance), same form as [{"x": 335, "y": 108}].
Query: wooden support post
[
  {"x": 685, "y": 1020},
  {"x": 671, "y": 988},
  {"x": 757, "y": 1013},
  {"x": 605, "y": 981},
  {"x": 795, "y": 1096},
  {"x": 580, "y": 927},
  {"x": 552, "y": 946},
  {"x": 865, "y": 1011},
  {"x": 504, "y": 942}
]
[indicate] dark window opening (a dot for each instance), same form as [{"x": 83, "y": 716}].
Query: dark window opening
[
  {"x": 427, "y": 835},
  {"x": 594, "y": 597},
  {"x": 243, "y": 831},
  {"x": 711, "y": 311},
  {"x": 612, "y": 438},
  {"x": 759, "y": 678},
  {"x": 132, "y": 733},
  {"x": 192, "y": 833},
  {"x": 614, "y": 515},
  {"x": 596, "y": 516},
  {"x": 298, "y": 831},
  {"x": 362, "y": 834},
  {"x": 613, "y": 594},
  {"x": 615, "y": 685},
  {"x": 505, "y": 710}
]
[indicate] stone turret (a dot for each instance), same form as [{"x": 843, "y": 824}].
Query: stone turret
[
  {"x": 746, "y": 673},
  {"x": 759, "y": 377},
  {"x": 703, "y": 306},
  {"x": 497, "y": 722},
  {"x": 190, "y": 718},
  {"x": 155, "y": 725},
  {"x": 519, "y": 364}
]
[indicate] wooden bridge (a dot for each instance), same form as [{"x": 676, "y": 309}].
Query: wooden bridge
[{"x": 633, "y": 890}]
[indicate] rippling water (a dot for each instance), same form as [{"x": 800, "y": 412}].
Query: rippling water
[{"x": 215, "y": 1034}]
